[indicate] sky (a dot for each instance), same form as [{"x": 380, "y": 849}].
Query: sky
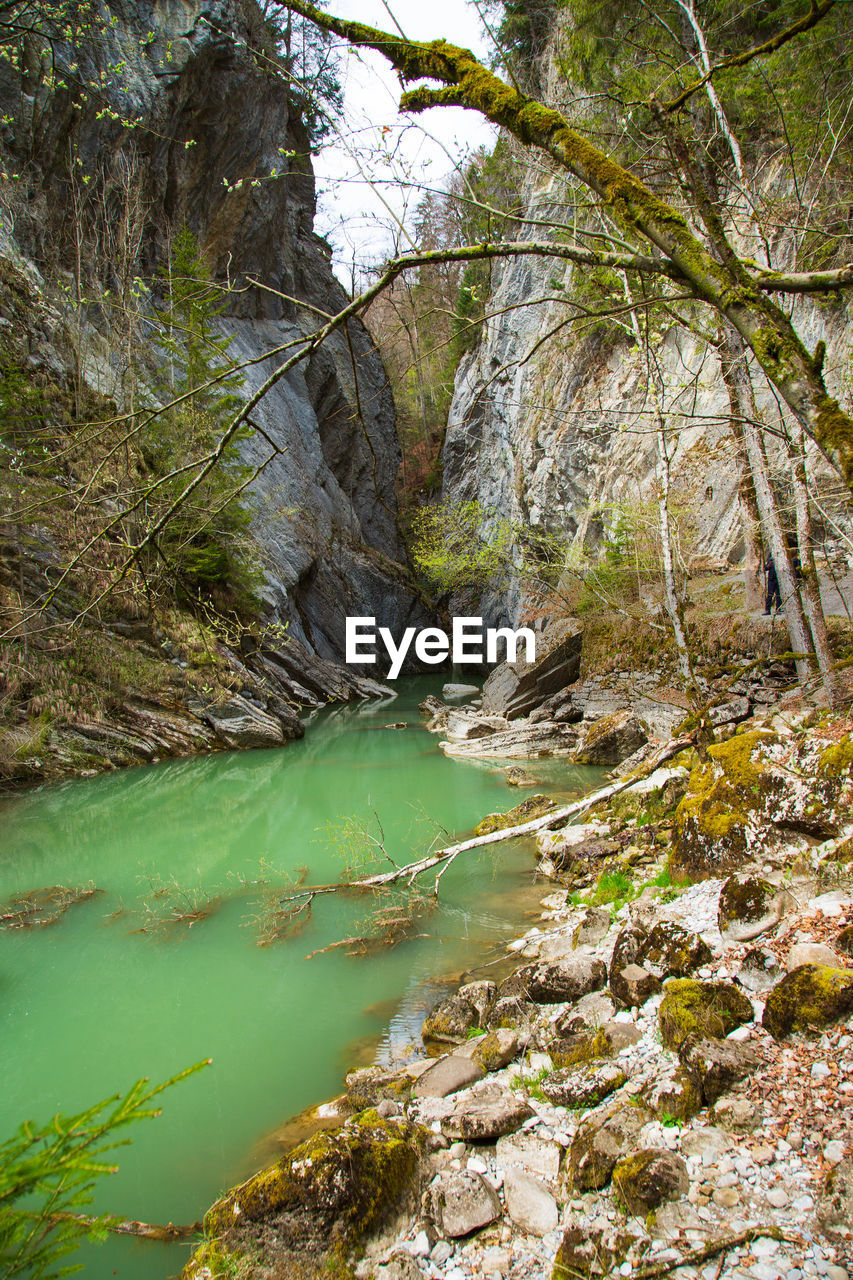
[{"x": 371, "y": 176}]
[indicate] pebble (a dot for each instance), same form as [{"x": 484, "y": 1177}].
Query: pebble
[
  {"x": 820, "y": 1071},
  {"x": 777, "y": 1197},
  {"x": 419, "y": 1248},
  {"x": 833, "y": 1272},
  {"x": 833, "y": 1152},
  {"x": 803, "y": 1203},
  {"x": 441, "y": 1252},
  {"x": 726, "y": 1197}
]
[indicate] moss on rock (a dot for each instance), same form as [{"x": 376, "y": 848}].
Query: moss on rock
[
  {"x": 571, "y": 1051},
  {"x": 321, "y": 1201},
  {"x": 713, "y": 1009},
  {"x": 811, "y": 997},
  {"x": 647, "y": 1178},
  {"x": 533, "y": 807},
  {"x": 711, "y": 820}
]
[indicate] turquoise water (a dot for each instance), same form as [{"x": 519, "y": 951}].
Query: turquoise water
[{"x": 120, "y": 988}]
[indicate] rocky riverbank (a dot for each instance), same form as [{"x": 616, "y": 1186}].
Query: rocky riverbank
[{"x": 663, "y": 1083}]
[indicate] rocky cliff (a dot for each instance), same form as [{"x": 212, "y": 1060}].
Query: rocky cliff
[
  {"x": 551, "y": 423},
  {"x": 118, "y": 130}
]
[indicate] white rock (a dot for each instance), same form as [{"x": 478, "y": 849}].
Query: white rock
[
  {"x": 820, "y": 1071},
  {"x": 419, "y": 1247},
  {"x": 529, "y": 1203},
  {"x": 778, "y": 1197},
  {"x": 833, "y": 1152}
]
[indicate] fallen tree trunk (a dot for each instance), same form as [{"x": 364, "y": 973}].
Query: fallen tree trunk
[
  {"x": 442, "y": 858},
  {"x": 166, "y": 1233}
]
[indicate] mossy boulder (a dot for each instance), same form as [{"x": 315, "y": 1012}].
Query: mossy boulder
[
  {"x": 451, "y": 1019},
  {"x": 718, "y": 1064},
  {"x": 601, "y": 1141},
  {"x": 807, "y": 999},
  {"x": 533, "y": 807},
  {"x": 496, "y": 1049},
  {"x": 320, "y": 1202},
  {"x": 611, "y": 739},
  {"x": 748, "y": 906},
  {"x": 646, "y": 1179},
  {"x": 574, "y": 1049},
  {"x": 586, "y": 1253},
  {"x": 711, "y": 1009},
  {"x": 673, "y": 952},
  {"x": 371, "y": 1085},
  {"x": 713, "y": 819},
  {"x": 583, "y": 1086}
]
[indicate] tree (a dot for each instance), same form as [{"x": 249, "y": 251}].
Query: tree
[
  {"x": 48, "y": 1173},
  {"x": 709, "y": 269},
  {"x": 204, "y": 542}
]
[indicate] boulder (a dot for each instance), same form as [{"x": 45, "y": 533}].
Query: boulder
[
  {"x": 712, "y": 1009},
  {"x": 400, "y": 1266},
  {"x": 718, "y": 1064},
  {"x": 486, "y": 1117},
  {"x": 447, "y": 1075},
  {"x": 836, "y": 1203},
  {"x": 601, "y": 1141},
  {"x": 648, "y": 1178},
  {"x": 463, "y": 1202},
  {"x": 529, "y": 1203},
  {"x": 674, "y": 1093},
  {"x": 518, "y": 777},
  {"x": 582, "y": 1087},
  {"x": 372, "y": 1085},
  {"x": 749, "y": 906},
  {"x": 533, "y": 807},
  {"x": 513, "y": 1013},
  {"x": 737, "y": 1114},
  {"x": 465, "y": 726},
  {"x": 579, "y": 1047},
  {"x": 336, "y": 1188},
  {"x": 529, "y": 1152},
  {"x": 759, "y": 970},
  {"x": 515, "y": 688},
  {"x": 496, "y": 1049},
  {"x": 556, "y": 981},
  {"x": 450, "y": 1020},
  {"x": 620, "y": 1035},
  {"x": 594, "y": 926},
  {"x": 628, "y": 948},
  {"x": 670, "y": 951},
  {"x": 811, "y": 997},
  {"x": 611, "y": 739},
  {"x": 553, "y": 844},
  {"x": 238, "y": 723},
  {"x": 459, "y": 691},
  {"x": 520, "y": 741},
  {"x": 632, "y": 986},
  {"x": 812, "y": 953},
  {"x": 587, "y": 1253}
]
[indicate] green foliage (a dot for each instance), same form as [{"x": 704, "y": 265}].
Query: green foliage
[
  {"x": 612, "y": 888},
  {"x": 453, "y": 550},
  {"x": 50, "y": 1171},
  {"x": 205, "y": 541}
]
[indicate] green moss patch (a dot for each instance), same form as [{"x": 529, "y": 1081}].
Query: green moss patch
[
  {"x": 533, "y": 807},
  {"x": 811, "y": 997},
  {"x": 713, "y": 1009}
]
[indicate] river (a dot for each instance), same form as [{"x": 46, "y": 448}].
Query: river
[{"x": 118, "y": 988}]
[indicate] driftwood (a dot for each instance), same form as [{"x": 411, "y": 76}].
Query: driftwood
[
  {"x": 442, "y": 858},
  {"x": 166, "y": 1234}
]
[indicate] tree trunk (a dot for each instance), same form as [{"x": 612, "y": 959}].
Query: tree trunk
[
  {"x": 735, "y": 370},
  {"x": 810, "y": 583}
]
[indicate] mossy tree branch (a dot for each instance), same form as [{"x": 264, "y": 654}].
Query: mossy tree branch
[{"x": 730, "y": 287}]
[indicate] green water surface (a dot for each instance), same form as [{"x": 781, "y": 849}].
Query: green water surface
[{"x": 110, "y": 993}]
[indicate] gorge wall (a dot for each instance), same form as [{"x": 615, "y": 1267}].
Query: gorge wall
[
  {"x": 210, "y": 119},
  {"x": 551, "y": 423}
]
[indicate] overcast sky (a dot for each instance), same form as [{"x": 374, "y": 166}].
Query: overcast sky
[{"x": 372, "y": 175}]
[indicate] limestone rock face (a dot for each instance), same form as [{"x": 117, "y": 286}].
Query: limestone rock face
[
  {"x": 810, "y": 997},
  {"x": 240, "y": 724},
  {"x": 515, "y": 688},
  {"x": 197, "y": 73}
]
